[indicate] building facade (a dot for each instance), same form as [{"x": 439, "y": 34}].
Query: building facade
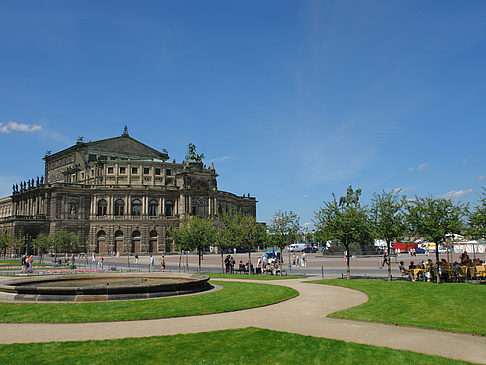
[{"x": 117, "y": 195}]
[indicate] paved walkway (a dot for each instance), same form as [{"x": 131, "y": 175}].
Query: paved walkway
[{"x": 305, "y": 314}]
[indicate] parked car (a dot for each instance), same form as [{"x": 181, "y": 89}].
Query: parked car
[
  {"x": 297, "y": 247},
  {"x": 310, "y": 249}
]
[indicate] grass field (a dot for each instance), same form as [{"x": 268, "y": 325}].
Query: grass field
[
  {"x": 233, "y": 296},
  {"x": 452, "y": 307},
  {"x": 242, "y": 346},
  {"x": 253, "y": 277}
]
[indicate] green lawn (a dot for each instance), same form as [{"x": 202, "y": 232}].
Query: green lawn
[
  {"x": 233, "y": 296},
  {"x": 254, "y": 277},
  {"x": 18, "y": 263},
  {"x": 242, "y": 346},
  {"x": 455, "y": 307}
]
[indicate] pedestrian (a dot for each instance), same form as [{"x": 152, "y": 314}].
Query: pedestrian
[
  {"x": 23, "y": 263},
  {"x": 293, "y": 259},
  {"x": 232, "y": 265},
  {"x": 93, "y": 257},
  {"x": 259, "y": 265},
  {"x": 227, "y": 264},
  {"x": 100, "y": 263},
  {"x": 136, "y": 258},
  {"x": 162, "y": 263},
  {"x": 151, "y": 264},
  {"x": 385, "y": 259},
  {"x": 304, "y": 259},
  {"x": 297, "y": 260}
]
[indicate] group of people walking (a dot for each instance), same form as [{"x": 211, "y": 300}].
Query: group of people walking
[
  {"x": 27, "y": 263},
  {"x": 299, "y": 260}
]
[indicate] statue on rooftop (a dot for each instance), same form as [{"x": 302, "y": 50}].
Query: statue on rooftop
[
  {"x": 125, "y": 132},
  {"x": 351, "y": 197},
  {"x": 192, "y": 155}
]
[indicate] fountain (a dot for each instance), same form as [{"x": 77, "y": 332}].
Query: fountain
[{"x": 101, "y": 287}]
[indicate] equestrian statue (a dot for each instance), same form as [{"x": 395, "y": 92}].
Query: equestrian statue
[
  {"x": 192, "y": 155},
  {"x": 351, "y": 197}
]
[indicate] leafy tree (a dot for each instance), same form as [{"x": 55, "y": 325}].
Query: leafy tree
[
  {"x": 63, "y": 241},
  {"x": 344, "y": 224},
  {"x": 250, "y": 234},
  {"x": 195, "y": 233},
  {"x": 476, "y": 227},
  {"x": 226, "y": 227},
  {"x": 388, "y": 220},
  {"x": 15, "y": 243},
  {"x": 42, "y": 242},
  {"x": 6, "y": 241},
  {"x": 435, "y": 219},
  {"x": 283, "y": 230}
]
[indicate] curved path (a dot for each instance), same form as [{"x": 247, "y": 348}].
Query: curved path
[{"x": 305, "y": 314}]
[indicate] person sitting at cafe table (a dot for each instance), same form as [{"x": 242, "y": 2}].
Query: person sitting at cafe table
[
  {"x": 477, "y": 262},
  {"x": 431, "y": 270},
  {"x": 464, "y": 258},
  {"x": 403, "y": 269},
  {"x": 443, "y": 269},
  {"x": 411, "y": 268},
  {"x": 456, "y": 267}
]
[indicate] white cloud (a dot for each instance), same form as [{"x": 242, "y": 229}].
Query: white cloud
[
  {"x": 464, "y": 161},
  {"x": 306, "y": 196},
  {"x": 481, "y": 178},
  {"x": 223, "y": 159},
  {"x": 19, "y": 127},
  {"x": 306, "y": 224},
  {"x": 456, "y": 194},
  {"x": 398, "y": 190},
  {"x": 421, "y": 167}
]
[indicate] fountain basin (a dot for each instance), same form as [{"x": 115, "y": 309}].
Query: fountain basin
[{"x": 101, "y": 287}]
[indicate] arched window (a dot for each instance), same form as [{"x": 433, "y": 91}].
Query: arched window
[
  {"x": 136, "y": 207},
  {"x": 118, "y": 234},
  {"x": 169, "y": 208},
  {"x": 153, "y": 208},
  {"x": 136, "y": 234},
  {"x": 119, "y": 207},
  {"x": 153, "y": 234},
  {"x": 101, "y": 234},
  {"x": 102, "y": 208}
]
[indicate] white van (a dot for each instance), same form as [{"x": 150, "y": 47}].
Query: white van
[{"x": 297, "y": 247}]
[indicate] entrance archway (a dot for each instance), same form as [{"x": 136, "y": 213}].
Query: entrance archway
[{"x": 136, "y": 238}]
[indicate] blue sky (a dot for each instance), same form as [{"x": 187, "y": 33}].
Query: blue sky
[{"x": 292, "y": 100}]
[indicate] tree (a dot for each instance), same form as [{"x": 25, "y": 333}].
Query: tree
[
  {"x": 250, "y": 234},
  {"x": 435, "y": 219},
  {"x": 6, "y": 240},
  {"x": 388, "y": 220},
  {"x": 194, "y": 234},
  {"x": 227, "y": 233},
  {"x": 63, "y": 241},
  {"x": 476, "y": 227},
  {"x": 283, "y": 231},
  {"x": 344, "y": 224},
  {"x": 42, "y": 242},
  {"x": 15, "y": 243}
]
